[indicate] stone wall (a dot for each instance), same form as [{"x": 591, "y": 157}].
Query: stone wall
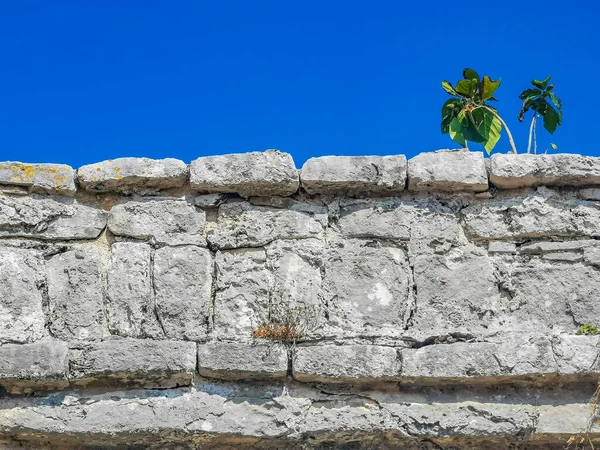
[{"x": 443, "y": 294}]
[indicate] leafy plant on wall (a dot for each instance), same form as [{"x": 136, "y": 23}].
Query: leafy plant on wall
[
  {"x": 544, "y": 103},
  {"x": 468, "y": 118}
]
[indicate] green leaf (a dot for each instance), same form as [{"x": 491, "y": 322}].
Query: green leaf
[
  {"x": 492, "y": 99},
  {"x": 489, "y": 87},
  {"x": 488, "y": 126},
  {"x": 543, "y": 84},
  {"x": 452, "y": 106},
  {"x": 555, "y": 100},
  {"x": 455, "y": 133},
  {"x": 448, "y": 88},
  {"x": 527, "y": 93},
  {"x": 551, "y": 120},
  {"x": 469, "y": 131},
  {"x": 470, "y": 74},
  {"x": 466, "y": 88},
  {"x": 554, "y": 146}
]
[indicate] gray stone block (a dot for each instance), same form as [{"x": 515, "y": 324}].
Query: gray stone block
[
  {"x": 354, "y": 174},
  {"x": 51, "y": 178},
  {"x": 448, "y": 170},
  {"x": 577, "y": 354},
  {"x": 257, "y": 173}
]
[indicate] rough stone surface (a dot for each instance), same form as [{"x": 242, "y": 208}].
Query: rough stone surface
[
  {"x": 49, "y": 218},
  {"x": 354, "y": 174},
  {"x": 235, "y": 361},
  {"x": 133, "y": 175},
  {"x": 183, "y": 286},
  {"x": 171, "y": 222},
  {"x": 516, "y": 171},
  {"x": 448, "y": 170},
  {"x": 258, "y": 173},
  {"x": 142, "y": 362},
  {"x": 51, "y": 178}
]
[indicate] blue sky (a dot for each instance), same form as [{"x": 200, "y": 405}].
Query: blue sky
[{"x": 86, "y": 81}]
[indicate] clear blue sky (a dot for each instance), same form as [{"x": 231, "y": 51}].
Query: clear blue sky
[{"x": 86, "y": 81}]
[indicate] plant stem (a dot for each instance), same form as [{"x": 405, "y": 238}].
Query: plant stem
[
  {"x": 535, "y": 135},
  {"x": 531, "y": 127},
  {"x": 508, "y": 133}
]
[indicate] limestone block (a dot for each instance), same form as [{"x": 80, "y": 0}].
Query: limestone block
[
  {"x": 143, "y": 362},
  {"x": 257, "y": 173},
  {"x": 244, "y": 225},
  {"x": 236, "y": 361},
  {"x": 171, "y": 222},
  {"x": 21, "y": 315},
  {"x": 354, "y": 174},
  {"x": 448, "y": 170},
  {"x": 133, "y": 175},
  {"x": 29, "y": 367},
  {"x": 343, "y": 363},
  {"x": 183, "y": 285},
  {"x": 577, "y": 354},
  {"x": 51, "y": 178},
  {"x": 76, "y": 295},
  {"x": 367, "y": 289},
  {"x": 515, "y": 171},
  {"x": 49, "y": 218},
  {"x": 130, "y": 293}
]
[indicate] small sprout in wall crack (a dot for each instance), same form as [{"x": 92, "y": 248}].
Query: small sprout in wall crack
[{"x": 586, "y": 329}]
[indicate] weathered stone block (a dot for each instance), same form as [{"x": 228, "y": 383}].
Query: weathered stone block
[
  {"x": 257, "y": 173},
  {"x": 28, "y": 367},
  {"x": 133, "y": 175},
  {"x": 133, "y": 361},
  {"x": 49, "y": 218},
  {"x": 21, "y": 316},
  {"x": 183, "y": 284},
  {"x": 241, "y": 224},
  {"x": 448, "y": 170},
  {"x": 516, "y": 171},
  {"x": 171, "y": 222},
  {"x": 367, "y": 289},
  {"x": 76, "y": 295},
  {"x": 576, "y": 354},
  {"x": 236, "y": 361},
  {"x": 346, "y": 363},
  {"x": 51, "y": 178},
  {"x": 130, "y": 293},
  {"x": 354, "y": 174}
]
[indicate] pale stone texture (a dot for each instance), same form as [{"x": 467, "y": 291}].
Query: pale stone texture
[
  {"x": 133, "y": 175},
  {"x": 343, "y": 363},
  {"x": 51, "y": 178},
  {"x": 42, "y": 365},
  {"x": 577, "y": 354},
  {"x": 257, "y": 173},
  {"x": 76, "y": 295},
  {"x": 130, "y": 293},
  {"x": 21, "y": 315},
  {"x": 354, "y": 174},
  {"x": 135, "y": 361},
  {"x": 171, "y": 222},
  {"x": 366, "y": 289},
  {"x": 49, "y": 218},
  {"x": 448, "y": 170},
  {"x": 183, "y": 284},
  {"x": 236, "y": 361},
  {"x": 516, "y": 171},
  {"x": 241, "y": 224}
]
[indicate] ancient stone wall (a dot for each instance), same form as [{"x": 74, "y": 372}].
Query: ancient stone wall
[{"x": 442, "y": 298}]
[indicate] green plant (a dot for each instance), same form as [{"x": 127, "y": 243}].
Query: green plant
[
  {"x": 467, "y": 117},
  {"x": 537, "y": 100},
  {"x": 587, "y": 329}
]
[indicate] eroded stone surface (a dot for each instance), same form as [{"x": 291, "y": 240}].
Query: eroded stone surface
[{"x": 51, "y": 178}]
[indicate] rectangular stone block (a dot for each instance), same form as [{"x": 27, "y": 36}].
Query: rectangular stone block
[
  {"x": 139, "y": 362},
  {"x": 44, "y": 217},
  {"x": 346, "y": 363},
  {"x": 140, "y": 175},
  {"x": 236, "y": 360},
  {"x": 26, "y": 368},
  {"x": 516, "y": 171},
  {"x": 183, "y": 286},
  {"x": 21, "y": 315},
  {"x": 577, "y": 354},
  {"x": 257, "y": 173},
  {"x": 448, "y": 170},
  {"x": 51, "y": 178},
  {"x": 353, "y": 175},
  {"x": 76, "y": 294},
  {"x": 171, "y": 222}
]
